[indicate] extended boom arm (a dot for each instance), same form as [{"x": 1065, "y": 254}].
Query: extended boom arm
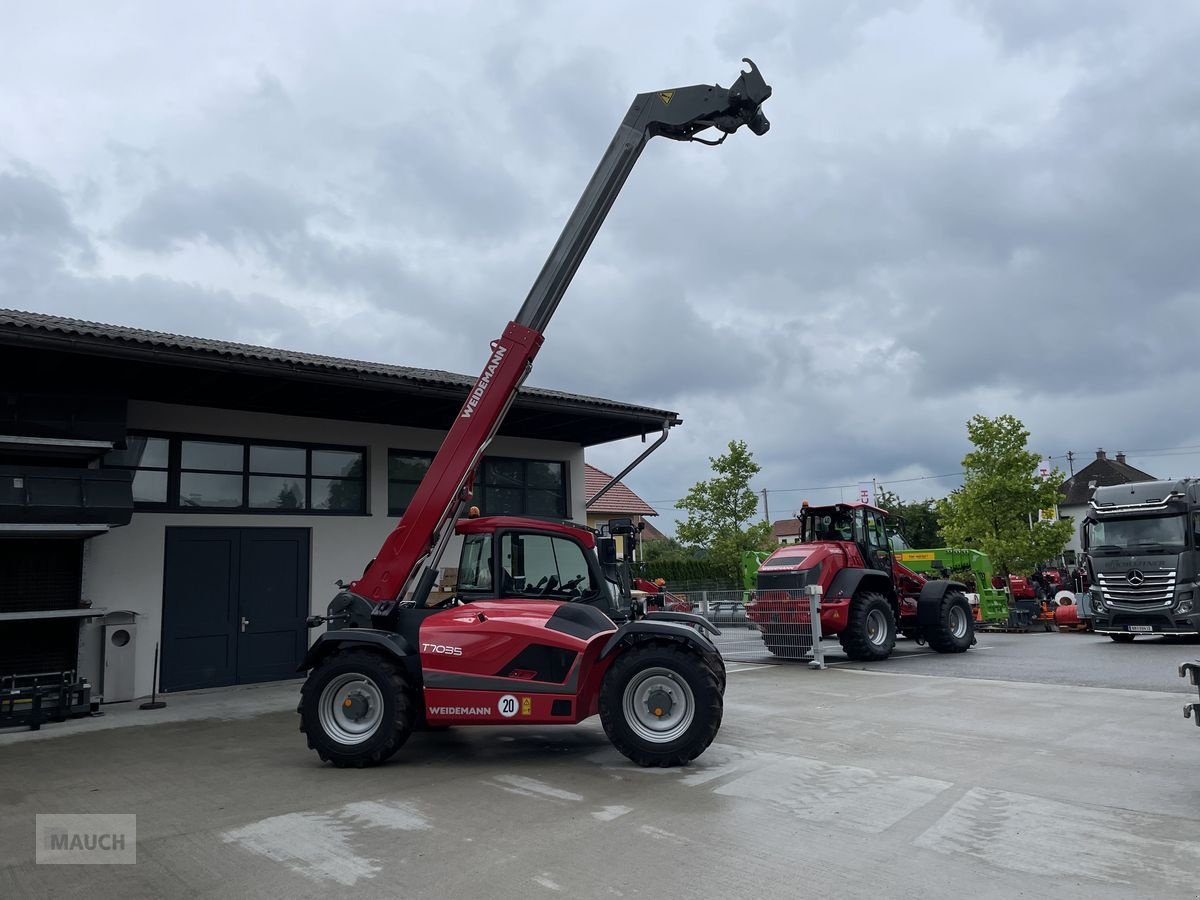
[{"x": 427, "y": 525}]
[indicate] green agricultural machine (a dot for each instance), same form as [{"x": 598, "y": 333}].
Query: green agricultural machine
[{"x": 937, "y": 563}]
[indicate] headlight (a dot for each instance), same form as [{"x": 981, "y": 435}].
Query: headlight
[{"x": 1184, "y": 607}]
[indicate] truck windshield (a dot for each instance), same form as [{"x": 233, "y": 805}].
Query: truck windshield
[{"x": 1125, "y": 535}]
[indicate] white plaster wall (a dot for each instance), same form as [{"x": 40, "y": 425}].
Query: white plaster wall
[{"x": 124, "y": 568}]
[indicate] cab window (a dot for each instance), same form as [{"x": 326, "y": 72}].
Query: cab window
[
  {"x": 475, "y": 565},
  {"x": 538, "y": 565}
]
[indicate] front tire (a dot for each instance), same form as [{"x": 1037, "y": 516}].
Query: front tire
[
  {"x": 955, "y": 629},
  {"x": 870, "y": 633},
  {"x": 1123, "y": 638},
  {"x": 355, "y": 709},
  {"x": 660, "y": 704}
]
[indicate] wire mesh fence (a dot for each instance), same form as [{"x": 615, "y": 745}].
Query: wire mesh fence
[{"x": 762, "y": 626}]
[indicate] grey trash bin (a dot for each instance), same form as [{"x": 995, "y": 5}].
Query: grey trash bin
[{"x": 120, "y": 647}]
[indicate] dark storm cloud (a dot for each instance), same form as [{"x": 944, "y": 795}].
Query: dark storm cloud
[{"x": 962, "y": 206}]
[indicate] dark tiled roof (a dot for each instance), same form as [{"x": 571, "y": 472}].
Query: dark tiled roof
[
  {"x": 1103, "y": 472},
  {"x": 619, "y": 500},
  {"x": 18, "y": 322}
]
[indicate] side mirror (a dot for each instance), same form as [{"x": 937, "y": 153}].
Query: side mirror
[{"x": 1083, "y": 536}]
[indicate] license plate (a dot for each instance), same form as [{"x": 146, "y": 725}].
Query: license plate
[{"x": 1140, "y": 627}]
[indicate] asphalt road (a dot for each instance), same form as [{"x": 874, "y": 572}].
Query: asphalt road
[
  {"x": 840, "y": 783},
  {"x": 1040, "y": 657}
]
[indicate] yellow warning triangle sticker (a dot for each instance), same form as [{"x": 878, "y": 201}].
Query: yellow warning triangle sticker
[{"x": 665, "y": 96}]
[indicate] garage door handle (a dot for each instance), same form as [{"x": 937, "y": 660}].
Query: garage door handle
[{"x": 245, "y": 622}]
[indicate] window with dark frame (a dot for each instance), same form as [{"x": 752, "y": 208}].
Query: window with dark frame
[
  {"x": 242, "y": 475},
  {"x": 504, "y": 486}
]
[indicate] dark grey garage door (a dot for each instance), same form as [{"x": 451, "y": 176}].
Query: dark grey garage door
[{"x": 234, "y": 605}]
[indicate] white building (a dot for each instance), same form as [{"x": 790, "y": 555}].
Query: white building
[
  {"x": 1078, "y": 489},
  {"x": 218, "y": 491}
]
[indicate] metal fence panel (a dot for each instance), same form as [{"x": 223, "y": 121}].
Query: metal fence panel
[{"x": 763, "y": 626}]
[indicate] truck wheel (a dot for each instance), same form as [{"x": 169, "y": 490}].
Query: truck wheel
[
  {"x": 660, "y": 704},
  {"x": 870, "y": 633},
  {"x": 955, "y": 628},
  {"x": 355, "y": 709},
  {"x": 1123, "y": 638}
]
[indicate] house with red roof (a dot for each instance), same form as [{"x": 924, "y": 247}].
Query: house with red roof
[{"x": 617, "y": 503}]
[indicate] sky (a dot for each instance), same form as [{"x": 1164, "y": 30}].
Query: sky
[{"x": 962, "y": 207}]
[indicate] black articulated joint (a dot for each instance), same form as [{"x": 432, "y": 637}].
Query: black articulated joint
[
  {"x": 388, "y": 643},
  {"x": 681, "y": 113}
]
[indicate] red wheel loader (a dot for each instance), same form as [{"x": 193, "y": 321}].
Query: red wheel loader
[
  {"x": 531, "y": 635},
  {"x": 867, "y": 595}
]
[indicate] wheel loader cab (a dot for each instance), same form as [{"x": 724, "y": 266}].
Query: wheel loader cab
[
  {"x": 863, "y": 526},
  {"x": 506, "y": 558}
]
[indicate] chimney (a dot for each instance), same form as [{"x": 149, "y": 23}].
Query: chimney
[
  {"x": 1121, "y": 457},
  {"x": 1100, "y": 454}
]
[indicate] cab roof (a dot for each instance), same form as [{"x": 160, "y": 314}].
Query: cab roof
[
  {"x": 491, "y": 524},
  {"x": 853, "y": 504}
]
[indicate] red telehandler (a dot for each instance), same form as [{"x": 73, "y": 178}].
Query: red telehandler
[{"x": 529, "y": 637}]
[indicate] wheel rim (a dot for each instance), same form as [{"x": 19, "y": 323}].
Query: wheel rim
[
  {"x": 877, "y": 628},
  {"x": 958, "y": 622},
  {"x": 351, "y": 708},
  {"x": 659, "y": 705}
]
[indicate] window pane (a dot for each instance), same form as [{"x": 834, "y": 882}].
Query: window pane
[
  {"x": 336, "y": 494},
  {"x": 210, "y": 490},
  {"x": 544, "y": 503},
  {"x": 211, "y": 455},
  {"x": 475, "y": 568},
  {"x": 408, "y": 466},
  {"x": 399, "y": 496},
  {"x": 338, "y": 463},
  {"x": 504, "y": 502},
  {"x": 544, "y": 474},
  {"x": 572, "y": 567},
  {"x": 281, "y": 460},
  {"x": 140, "y": 451},
  {"x": 150, "y": 487},
  {"x": 269, "y": 492},
  {"x": 503, "y": 472}
]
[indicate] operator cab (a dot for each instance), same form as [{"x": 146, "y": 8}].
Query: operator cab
[
  {"x": 857, "y": 523},
  {"x": 518, "y": 559}
]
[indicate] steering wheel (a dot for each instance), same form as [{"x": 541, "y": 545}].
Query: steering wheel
[{"x": 572, "y": 586}]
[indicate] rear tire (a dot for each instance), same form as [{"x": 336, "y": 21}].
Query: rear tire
[
  {"x": 955, "y": 629},
  {"x": 660, "y": 704},
  {"x": 1123, "y": 638},
  {"x": 355, "y": 709},
  {"x": 870, "y": 633}
]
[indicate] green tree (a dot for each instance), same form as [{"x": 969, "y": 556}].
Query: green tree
[
  {"x": 722, "y": 511},
  {"x": 917, "y": 521},
  {"x": 996, "y": 509}
]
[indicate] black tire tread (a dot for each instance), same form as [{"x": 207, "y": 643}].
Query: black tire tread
[
  {"x": 394, "y": 681},
  {"x": 1123, "y": 638},
  {"x": 709, "y": 715},
  {"x": 853, "y": 637},
  {"x": 939, "y": 637}
]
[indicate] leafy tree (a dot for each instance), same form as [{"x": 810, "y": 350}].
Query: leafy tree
[
  {"x": 723, "y": 510},
  {"x": 996, "y": 509},
  {"x": 667, "y": 550},
  {"x": 920, "y": 525}
]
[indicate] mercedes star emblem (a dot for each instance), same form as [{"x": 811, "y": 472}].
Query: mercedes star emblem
[{"x": 1135, "y": 577}]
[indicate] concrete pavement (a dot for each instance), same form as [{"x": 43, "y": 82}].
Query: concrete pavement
[{"x": 839, "y": 783}]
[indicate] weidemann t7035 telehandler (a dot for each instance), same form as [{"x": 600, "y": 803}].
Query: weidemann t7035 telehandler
[{"x": 526, "y": 639}]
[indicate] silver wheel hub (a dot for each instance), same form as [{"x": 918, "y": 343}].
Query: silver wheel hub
[
  {"x": 876, "y": 628},
  {"x": 351, "y": 708},
  {"x": 658, "y": 705},
  {"x": 958, "y": 622}
]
